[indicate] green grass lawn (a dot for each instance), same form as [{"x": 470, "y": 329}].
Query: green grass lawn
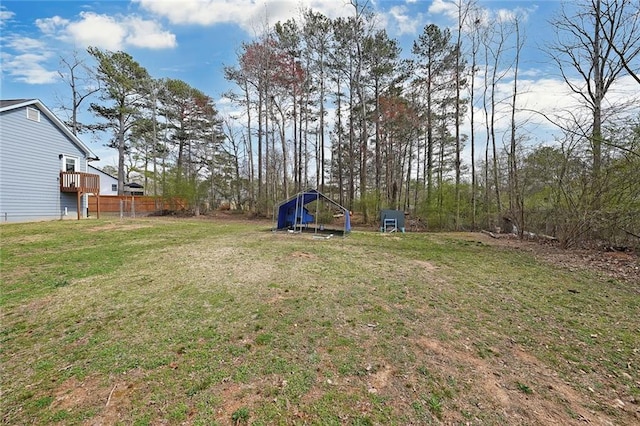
[{"x": 202, "y": 322}]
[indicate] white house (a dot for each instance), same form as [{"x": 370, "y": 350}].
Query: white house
[{"x": 109, "y": 184}]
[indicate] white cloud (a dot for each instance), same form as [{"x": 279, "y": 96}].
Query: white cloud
[
  {"x": 26, "y": 63},
  {"x": 543, "y": 101},
  {"x": 5, "y": 15},
  {"x": 28, "y": 68},
  {"x": 248, "y": 14},
  {"x": 484, "y": 15},
  {"x": 405, "y": 23},
  {"x": 97, "y": 30},
  {"x": 519, "y": 13},
  {"x": 108, "y": 32},
  {"x": 49, "y": 26},
  {"x": 148, "y": 34},
  {"x": 24, "y": 44},
  {"x": 444, "y": 7},
  {"x": 27, "y": 59}
]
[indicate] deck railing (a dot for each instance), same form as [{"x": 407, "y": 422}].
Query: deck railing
[{"x": 79, "y": 182}]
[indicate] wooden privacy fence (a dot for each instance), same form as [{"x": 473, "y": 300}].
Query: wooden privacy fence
[{"x": 132, "y": 205}]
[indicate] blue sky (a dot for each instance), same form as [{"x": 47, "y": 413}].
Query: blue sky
[
  {"x": 193, "y": 39},
  {"x": 190, "y": 40}
]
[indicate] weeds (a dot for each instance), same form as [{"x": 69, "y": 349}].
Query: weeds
[
  {"x": 240, "y": 416},
  {"x": 435, "y": 405},
  {"x": 524, "y": 388}
]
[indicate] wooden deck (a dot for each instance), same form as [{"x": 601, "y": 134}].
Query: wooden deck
[{"x": 80, "y": 183}]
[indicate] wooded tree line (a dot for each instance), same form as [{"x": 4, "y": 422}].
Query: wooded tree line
[{"x": 333, "y": 104}]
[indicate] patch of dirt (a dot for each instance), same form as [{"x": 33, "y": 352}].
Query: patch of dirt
[
  {"x": 238, "y": 395},
  {"x": 114, "y": 400},
  {"x": 512, "y": 383},
  {"x": 303, "y": 255},
  {"x": 621, "y": 266},
  {"x": 380, "y": 379},
  {"x": 73, "y": 393},
  {"x": 228, "y": 261},
  {"x": 427, "y": 266}
]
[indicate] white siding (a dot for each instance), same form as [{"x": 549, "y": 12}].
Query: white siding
[{"x": 106, "y": 182}]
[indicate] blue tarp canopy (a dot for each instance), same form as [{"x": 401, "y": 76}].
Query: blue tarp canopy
[{"x": 287, "y": 217}]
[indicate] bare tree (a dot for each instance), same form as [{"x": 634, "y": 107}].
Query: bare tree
[
  {"x": 589, "y": 64},
  {"x": 495, "y": 36},
  {"x": 627, "y": 44},
  {"x": 83, "y": 83},
  {"x": 463, "y": 11},
  {"x": 516, "y": 204},
  {"x": 474, "y": 21}
]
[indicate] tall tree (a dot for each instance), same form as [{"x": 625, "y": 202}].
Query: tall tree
[
  {"x": 122, "y": 81},
  {"x": 343, "y": 62},
  {"x": 289, "y": 82},
  {"x": 244, "y": 100},
  {"x": 257, "y": 61},
  {"x": 317, "y": 35},
  {"x": 433, "y": 66},
  {"x": 381, "y": 58},
  {"x": 589, "y": 65},
  {"x": 516, "y": 203},
  {"x": 460, "y": 82},
  {"x": 495, "y": 39},
  {"x": 474, "y": 23},
  {"x": 360, "y": 27}
]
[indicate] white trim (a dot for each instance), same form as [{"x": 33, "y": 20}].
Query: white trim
[{"x": 63, "y": 163}]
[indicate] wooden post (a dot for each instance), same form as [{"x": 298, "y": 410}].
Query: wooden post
[{"x": 79, "y": 198}]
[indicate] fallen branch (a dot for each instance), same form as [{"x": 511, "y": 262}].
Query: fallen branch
[
  {"x": 111, "y": 393},
  {"x": 489, "y": 233},
  {"x": 532, "y": 236},
  {"x": 631, "y": 233}
]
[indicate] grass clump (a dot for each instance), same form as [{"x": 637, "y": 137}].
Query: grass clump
[
  {"x": 240, "y": 416},
  {"x": 524, "y": 388}
]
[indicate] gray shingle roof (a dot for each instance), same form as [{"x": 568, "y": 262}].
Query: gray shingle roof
[{"x": 8, "y": 102}]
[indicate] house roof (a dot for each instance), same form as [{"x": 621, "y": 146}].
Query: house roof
[
  {"x": 133, "y": 185},
  {"x": 11, "y": 104},
  {"x": 102, "y": 171}
]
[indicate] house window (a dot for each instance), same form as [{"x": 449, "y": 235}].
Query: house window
[
  {"x": 69, "y": 164},
  {"x": 33, "y": 114},
  {"x": 114, "y": 187}
]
